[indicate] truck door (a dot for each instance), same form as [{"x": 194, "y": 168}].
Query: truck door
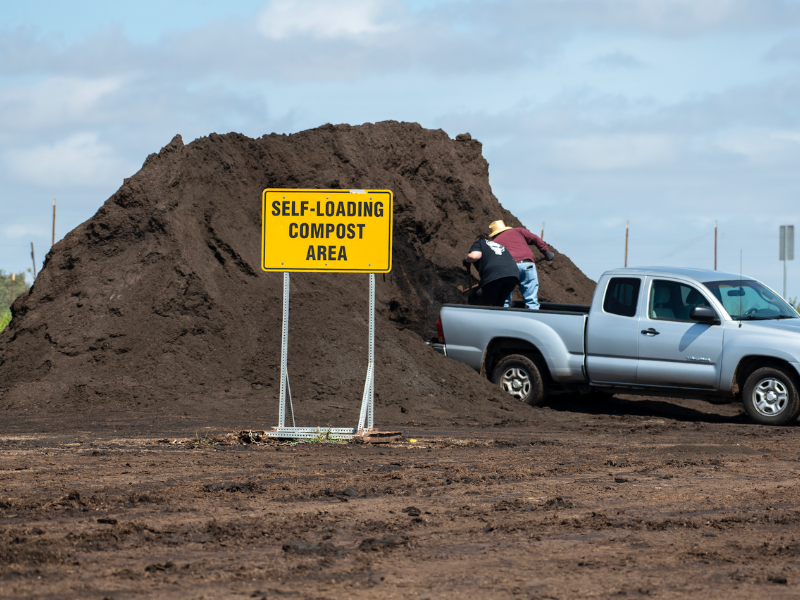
[
  {"x": 612, "y": 333},
  {"x": 675, "y": 351}
]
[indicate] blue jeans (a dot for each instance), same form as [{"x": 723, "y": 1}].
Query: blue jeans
[{"x": 528, "y": 285}]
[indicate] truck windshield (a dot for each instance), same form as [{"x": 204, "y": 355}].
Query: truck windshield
[{"x": 749, "y": 300}]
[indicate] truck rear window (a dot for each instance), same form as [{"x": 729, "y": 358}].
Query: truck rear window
[{"x": 622, "y": 295}]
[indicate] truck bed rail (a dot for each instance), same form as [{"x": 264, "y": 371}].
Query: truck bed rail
[{"x": 548, "y": 307}]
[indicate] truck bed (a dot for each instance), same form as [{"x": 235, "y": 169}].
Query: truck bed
[{"x": 556, "y": 331}]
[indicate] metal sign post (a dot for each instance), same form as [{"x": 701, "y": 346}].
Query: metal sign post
[
  {"x": 356, "y": 226},
  {"x": 366, "y": 415},
  {"x": 368, "y": 398},
  {"x": 286, "y": 390},
  {"x": 786, "y": 250}
]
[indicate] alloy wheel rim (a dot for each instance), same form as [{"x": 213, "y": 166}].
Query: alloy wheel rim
[
  {"x": 770, "y": 397},
  {"x": 516, "y": 382}
]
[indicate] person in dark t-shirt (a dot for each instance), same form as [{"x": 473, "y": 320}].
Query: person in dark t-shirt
[{"x": 497, "y": 270}]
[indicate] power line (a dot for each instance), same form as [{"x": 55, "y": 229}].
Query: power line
[{"x": 685, "y": 246}]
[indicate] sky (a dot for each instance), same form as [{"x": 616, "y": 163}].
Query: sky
[{"x": 667, "y": 114}]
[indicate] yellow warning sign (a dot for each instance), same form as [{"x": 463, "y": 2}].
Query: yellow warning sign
[{"x": 338, "y": 231}]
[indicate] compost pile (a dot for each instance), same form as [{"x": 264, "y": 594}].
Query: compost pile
[{"x": 158, "y": 301}]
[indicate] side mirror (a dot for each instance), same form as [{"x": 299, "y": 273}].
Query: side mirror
[{"x": 703, "y": 314}]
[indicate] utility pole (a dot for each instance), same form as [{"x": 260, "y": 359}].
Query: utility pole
[
  {"x": 33, "y": 259},
  {"x": 626, "y": 244},
  {"x": 54, "y": 222},
  {"x": 715, "y": 245},
  {"x": 786, "y": 250},
  {"x": 542, "y": 236},
  {"x": 13, "y": 276}
]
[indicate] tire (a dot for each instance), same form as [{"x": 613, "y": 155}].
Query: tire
[
  {"x": 770, "y": 396},
  {"x": 520, "y": 377}
]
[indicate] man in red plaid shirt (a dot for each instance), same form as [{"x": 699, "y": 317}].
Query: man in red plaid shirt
[{"x": 517, "y": 241}]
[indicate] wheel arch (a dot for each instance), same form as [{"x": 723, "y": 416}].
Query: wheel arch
[
  {"x": 500, "y": 347},
  {"x": 749, "y": 364}
]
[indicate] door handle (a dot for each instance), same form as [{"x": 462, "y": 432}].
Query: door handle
[{"x": 650, "y": 331}]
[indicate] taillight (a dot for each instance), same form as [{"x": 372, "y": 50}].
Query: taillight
[{"x": 439, "y": 330}]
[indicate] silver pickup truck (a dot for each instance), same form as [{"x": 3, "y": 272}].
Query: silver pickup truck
[{"x": 649, "y": 331}]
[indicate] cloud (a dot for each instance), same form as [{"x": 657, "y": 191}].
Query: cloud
[
  {"x": 283, "y": 19},
  {"x": 18, "y": 231},
  {"x": 327, "y": 40},
  {"x": 614, "y": 151},
  {"x": 785, "y": 50},
  {"x": 306, "y": 46},
  {"x": 55, "y": 107},
  {"x": 763, "y": 147},
  {"x": 304, "y": 50},
  {"x": 54, "y": 101},
  {"x": 659, "y": 17},
  {"x": 618, "y": 60},
  {"x": 574, "y": 149},
  {"x": 107, "y": 53},
  {"x": 80, "y": 160}
]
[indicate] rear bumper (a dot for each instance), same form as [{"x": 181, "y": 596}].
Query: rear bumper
[{"x": 440, "y": 348}]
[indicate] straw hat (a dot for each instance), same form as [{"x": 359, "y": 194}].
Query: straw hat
[{"x": 497, "y": 227}]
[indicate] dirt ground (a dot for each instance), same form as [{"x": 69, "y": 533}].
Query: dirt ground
[{"x": 623, "y": 497}]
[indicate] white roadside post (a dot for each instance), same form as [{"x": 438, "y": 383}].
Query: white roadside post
[{"x": 786, "y": 250}]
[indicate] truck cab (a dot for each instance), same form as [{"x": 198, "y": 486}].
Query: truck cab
[{"x": 686, "y": 329}]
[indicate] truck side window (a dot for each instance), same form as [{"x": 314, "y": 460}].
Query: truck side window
[
  {"x": 622, "y": 295},
  {"x": 673, "y": 301}
]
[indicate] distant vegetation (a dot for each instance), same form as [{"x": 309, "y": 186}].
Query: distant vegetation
[{"x": 21, "y": 286}]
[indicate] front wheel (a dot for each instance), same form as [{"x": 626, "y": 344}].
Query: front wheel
[
  {"x": 520, "y": 377},
  {"x": 770, "y": 396}
]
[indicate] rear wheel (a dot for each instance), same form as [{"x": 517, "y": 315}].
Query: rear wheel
[
  {"x": 519, "y": 376},
  {"x": 770, "y": 396}
]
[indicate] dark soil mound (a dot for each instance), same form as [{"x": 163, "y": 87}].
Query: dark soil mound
[{"x": 158, "y": 301}]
